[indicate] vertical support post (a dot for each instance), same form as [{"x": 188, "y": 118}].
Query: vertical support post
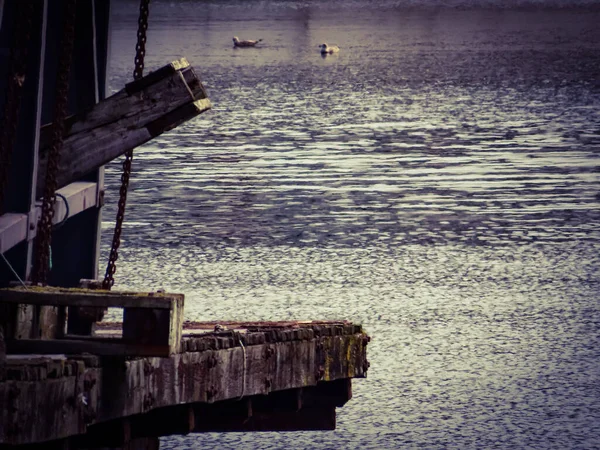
[
  {"x": 23, "y": 171},
  {"x": 2, "y": 352},
  {"x": 76, "y": 244},
  {"x": 155, "y": 326}
]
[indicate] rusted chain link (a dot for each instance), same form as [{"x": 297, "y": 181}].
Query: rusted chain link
[
  {"x": 138, "y": 71},
  {"x": 140, "y": 46},
  {"x": 44, "y": 235},
  {"x": 14, "y": 88}
]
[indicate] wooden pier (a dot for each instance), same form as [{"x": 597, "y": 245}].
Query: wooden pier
[
  {"x": 226, "y": 376},
  {"x": 68, "y": 380}
]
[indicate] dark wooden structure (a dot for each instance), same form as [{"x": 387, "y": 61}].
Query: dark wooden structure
[
  {"x": 68, "y": 381},
  {"x": 245, "y": 377}
]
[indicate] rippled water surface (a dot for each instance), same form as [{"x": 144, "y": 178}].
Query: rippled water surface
[{"x": 436, "y": 181}]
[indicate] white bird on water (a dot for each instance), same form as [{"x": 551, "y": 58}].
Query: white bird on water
[
  {"x": 329, "y": 48},
  {"x": 246, "y": 43}
]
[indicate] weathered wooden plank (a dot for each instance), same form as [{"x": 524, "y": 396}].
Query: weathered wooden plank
[
  {"x": 155, "y": 97},
  {"x": 157, "y": 103},
  {"x": 107, "y": 347},
  {"x": 207, "y": 377},
  {"x": 75, "y": 198},
  {"x": 56, "y": 296},
  {"x": 212, "y": 376},
  {"x": 263, "y": 326},
  {"x": 155, "y": 326},
  {"x": 157, "y": 75},
  {"x": 42, "y": 411},
  {"x": 270, "y": 373},
  {"x": 15, "y": 228},
  {"x": 177, "y": 117},
  {"x": 35, "y": 367},
  {"x": 309, "y": 408},
  {"x": 176, "y": 325},
  {"x": 342, "y": 357},
  {"x": 285, "y": 374},
  {"x": 2, "y": 354}
]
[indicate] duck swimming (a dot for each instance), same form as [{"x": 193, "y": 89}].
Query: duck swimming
[
  {"x": 246, "y": 43},
  {"x": 329, "y": 48}
]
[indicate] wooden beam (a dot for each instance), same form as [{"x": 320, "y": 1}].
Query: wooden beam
[
  {"x": 306, "y": 419},
  {"x": 2, "y": 354},
  {"x": 179, "y": 419},
  {"x": 334, "y": 393},
  {"x": 25, "y": 422},
  {"x": 38, "y": 367},
  {"x": 142, "y": 110},
  {"x": 278, "y": 411},
  {"x": 75, "y": 197},
  {"x": 239, "y": 383},
  {"x": 154, "y": 326},
  {"x": 152, "y": 323},
  {"x": 57, "y": 296},
  {"x": 13, "y": 230},
  {"x": 213, "y": 376},
  {"x": 102, "y": 347}
]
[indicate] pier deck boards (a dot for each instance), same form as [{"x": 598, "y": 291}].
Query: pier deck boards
[{"x": 242, "y": 377}]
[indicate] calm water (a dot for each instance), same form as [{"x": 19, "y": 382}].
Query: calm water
[{"x": 437, "y": 181}]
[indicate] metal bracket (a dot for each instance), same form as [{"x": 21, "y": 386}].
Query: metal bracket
[{"x": 32, "y": 223}]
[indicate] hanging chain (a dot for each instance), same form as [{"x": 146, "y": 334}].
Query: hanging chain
[
  {"x": 14, "y": 89},
  {"x": 140, "y": 47},
  {"x": 140, "y": 53},
  {"x": 44, "y": 236}
]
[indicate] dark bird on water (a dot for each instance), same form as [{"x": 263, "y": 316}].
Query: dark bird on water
[{"x": 328, "y": 49}]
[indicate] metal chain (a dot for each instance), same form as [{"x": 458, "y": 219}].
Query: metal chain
[
  {"x": 140, "y": 47},
  {"x": 44, "y": 235},
  {"x": 14, "y": 89},
  {"x": 138, "y": 71}
]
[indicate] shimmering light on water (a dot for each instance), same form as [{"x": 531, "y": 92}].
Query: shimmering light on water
[{"x": 436, "y": 181}]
